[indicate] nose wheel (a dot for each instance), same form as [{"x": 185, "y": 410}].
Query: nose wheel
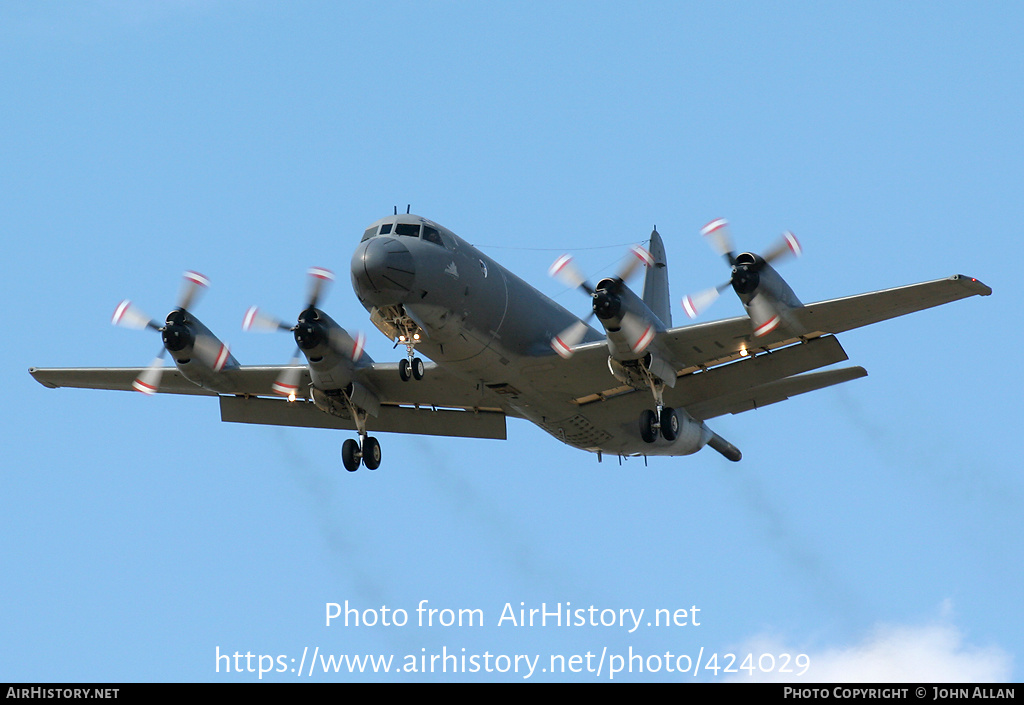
[
  {"x": 410, "y": 368},
  {"x": 366, "y": 451}
]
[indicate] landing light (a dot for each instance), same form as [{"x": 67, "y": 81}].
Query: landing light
[
  {"x": 416, "y": 336},
  {"x": 743, "y": 352},
  {"x": 291, "y": 397}
]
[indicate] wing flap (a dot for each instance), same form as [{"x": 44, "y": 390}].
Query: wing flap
[
  {"x": 773, "y": 392},
  {"x": 694, "y": 390},
  {"x": 391, "y": 419}
]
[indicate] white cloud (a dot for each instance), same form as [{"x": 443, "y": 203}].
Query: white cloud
[{"x": 934, "y": 653}]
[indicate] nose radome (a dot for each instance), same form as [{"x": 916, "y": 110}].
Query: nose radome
[{"x": 383, "y": 264}]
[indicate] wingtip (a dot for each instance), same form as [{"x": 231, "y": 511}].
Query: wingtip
[
  {"x": 37, "y": 376},
  {"x": 975, "y": 285}
]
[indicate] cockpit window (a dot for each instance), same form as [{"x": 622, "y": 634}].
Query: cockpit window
[
  {"x": 385, "y": 228},
  {"x": 370, "y": 232},
  {"x": 431, "y": 235},
  {"x": 409, "y": 229}
]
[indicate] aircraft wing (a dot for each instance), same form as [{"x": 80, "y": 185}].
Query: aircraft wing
[
  {"x": 706, "y": 344},
  {"x": 699, "y": 349},
  {"x": 440, "y": 404}
]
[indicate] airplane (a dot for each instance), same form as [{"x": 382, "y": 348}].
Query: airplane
[{"x": 634, "y": 386}]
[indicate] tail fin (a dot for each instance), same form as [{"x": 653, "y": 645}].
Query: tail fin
[{"x": 656, "y": 294}]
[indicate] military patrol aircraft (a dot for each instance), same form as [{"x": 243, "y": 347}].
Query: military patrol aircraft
[{"x": 636, "y": 387}]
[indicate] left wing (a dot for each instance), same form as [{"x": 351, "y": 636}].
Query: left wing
[
  {"x": 705, "y": 347},
  {"x": 440, "y": 404}
]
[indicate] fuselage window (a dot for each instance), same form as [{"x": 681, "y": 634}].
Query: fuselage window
[
  {"x": 409, "y": 229},
  {"x": 431, "y": 235},
  {"x": 385, "y": 228}
]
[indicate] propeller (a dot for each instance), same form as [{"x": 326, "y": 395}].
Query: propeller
[
  {"x": 745, "y": 277},
  {"x": 178, "y": 333},
  {"x": 606, "y": 303},
  {"x": 313, "y": 328}
]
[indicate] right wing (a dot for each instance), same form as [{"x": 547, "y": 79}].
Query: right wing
[{"x": 440, "y": 404}]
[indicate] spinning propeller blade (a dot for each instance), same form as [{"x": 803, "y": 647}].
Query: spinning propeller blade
[
  {"x": 564, "y": 342},
  {"x": 565, "y": 270},
  {"x": 178, "y": 330},
  {"x": 745, "y": 278},
  {"x": 148, "y": 382}
]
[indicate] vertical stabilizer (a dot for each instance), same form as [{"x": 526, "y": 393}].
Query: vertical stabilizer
[{"x": 656, "y": 282}]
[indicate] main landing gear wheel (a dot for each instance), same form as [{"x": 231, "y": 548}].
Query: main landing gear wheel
[
  {"x": 651, "y": 423},
  {"x": 350, "y": 455},
  {"x": 369, "y": 455},
  {"x": 669, "y": 424},
  {"x": 410, "y": 369},
  {"x": 648, "y": 426}
]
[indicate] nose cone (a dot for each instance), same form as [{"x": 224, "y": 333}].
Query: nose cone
[{"x": 383, "y": 265}]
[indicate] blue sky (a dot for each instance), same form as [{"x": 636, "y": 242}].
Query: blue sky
[{"x": 873, "y": 527}]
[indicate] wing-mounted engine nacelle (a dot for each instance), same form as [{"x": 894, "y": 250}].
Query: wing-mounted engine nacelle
[
  {"x": 196, "y": 351},
  {"x": 630, "y": 325},
  {"x": 332, "y": 352},
  {"x": 752, "y": 275},
  {"x": 765, "y": 295}
]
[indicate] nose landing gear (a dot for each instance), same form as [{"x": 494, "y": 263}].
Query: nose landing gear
[{"x": 410, "y": 367}]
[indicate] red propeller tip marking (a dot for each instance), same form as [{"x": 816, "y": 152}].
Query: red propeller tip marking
[
  {"x": 222, "y": 358},
  {"x": 197, "y": 278},
  {"x": 250, "y": 316},
  {"x": 140, "y": 386},
  {"x": 767, "y": 327},
  {"x": 321, "y": 273},
  {"x": 357, "y": 346},
  {"x": 559, "y": 264},
  {"x": 643, "y": 255},
  {"x": 688, "y": 306},
  {"x": 644, "y": 340},
  {"x": 793, "y": 243},
  {"x": 119, "y": 311},
  {"x": 285, "y": 390},
  {"x": 714, "y": 225},
  {"x": 560, "y": 347}
]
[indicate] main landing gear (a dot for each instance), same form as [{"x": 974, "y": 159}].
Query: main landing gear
[
  {"x": 662, "y": 419},
  {"x": 365, "y": 451}
]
